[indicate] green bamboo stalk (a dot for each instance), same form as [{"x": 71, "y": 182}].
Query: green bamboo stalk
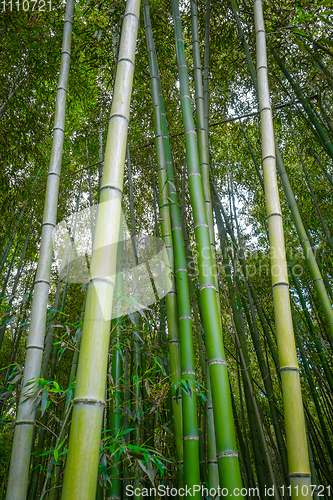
[
  {"x": 190, "y": 420},
  {"x": 23, "y": 436},
  {"x": 137, "y": 322},
  {"x": 298, "y": 459},
  {"x": 212, "y": 466},
  {"x": 239, "y": 333},
  {"x": 324, "y": 138},
  {"x": 206, "y": 68},
  {"x": 80, "y": 478},
  {"x": 200, "y": 121},
  {"x": 227, "y": 455}
]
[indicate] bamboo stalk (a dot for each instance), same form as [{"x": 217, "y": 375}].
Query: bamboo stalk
[
  {"x": 189, "y": 403},
  {"x": 80, "y": 478},
  {"x": 298, "y": 459},
  {"x": 171, "y": 298},
  {"x": 23, "y": 436},
  {"x": 299, "y": 225},
  {"x": 227, "y": 454}
]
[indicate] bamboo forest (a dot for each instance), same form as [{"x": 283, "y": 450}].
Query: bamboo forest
[{"x": 166, "y": 242}]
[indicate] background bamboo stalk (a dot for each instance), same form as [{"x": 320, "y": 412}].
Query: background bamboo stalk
[{"x": 20, "y": 458}]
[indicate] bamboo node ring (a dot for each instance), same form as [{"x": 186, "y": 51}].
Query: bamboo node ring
[
  {"x": 268, "y": 156},
  {"x": 188, "y": 372},
  {"x": 262, "y": 67},
  {"x": 111, "y": 187},
  {"x": 136, "y": 17},
  {"x": 194, "y": 173},
  {"x": 217, "y": 362},
  {"x": 190, "y": 131},
  {"x": 35, "y": 347},
  {"x": 24, "y": 422},
  {"x": 227, "y": 454},
  {"x": 118, "y": 115},
  {"x": 274, "y": 213},
  {"x": 289, "y": 368},
  {"x": 198, "y": 224},
  {"x": 101, "y": 278},
  {"x": 185, "y": 317},
  {"x": 42, "y": 281},
  {"x": 284, "y": 283},
  {"x": 125, "y": 59},
  {"x": 194, "y": 438},
  {"x": 87, "y": 401},
  {"x": 300, "y": 474},
  {"x": 207, "y": 286}
]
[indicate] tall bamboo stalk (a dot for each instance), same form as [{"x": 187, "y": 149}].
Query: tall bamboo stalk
[
  {"x": 23, "y": 436},
  {"x": 84, "y": 441},
  {"x": 206, "y": 68},
  {"x": 310, "y": 258},
  {"x": 298, "y": 459},
  {"x": 171, "y": 298},
  {"x": 227, "y": 455},
  {"x": 189, "y": 400}
]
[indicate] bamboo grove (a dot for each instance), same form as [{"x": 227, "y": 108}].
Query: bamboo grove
[{"x": 166, "y": 250}]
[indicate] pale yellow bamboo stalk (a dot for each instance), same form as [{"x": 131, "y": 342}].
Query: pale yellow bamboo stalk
[
  {"x": 81, "y": 470},
  {"x": 25, "y": 421},
  {"x": 298, "y": 459}
]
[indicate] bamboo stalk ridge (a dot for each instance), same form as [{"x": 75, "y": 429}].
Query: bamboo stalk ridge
[
  {"x": 227, "y": 454},
  {"x": 298, "y": 459},
  {"x": 25, "y": 421},
  {"x": 81, "y": 470}
]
